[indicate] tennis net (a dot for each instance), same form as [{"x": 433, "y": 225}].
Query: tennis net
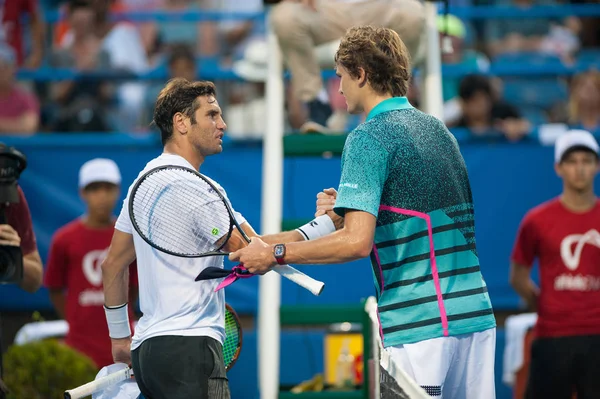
[{"x": 390, "y": 382}]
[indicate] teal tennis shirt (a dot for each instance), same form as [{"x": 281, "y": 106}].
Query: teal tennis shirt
[{"x": 404, "y": 167}]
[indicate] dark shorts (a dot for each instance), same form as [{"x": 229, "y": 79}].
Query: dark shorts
[
  {"x": 176, "y": 367},
  {"x": 561, "y": 366}
]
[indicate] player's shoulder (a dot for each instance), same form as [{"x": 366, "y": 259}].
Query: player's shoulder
[
  {"x": 216, "y": 184},
  {"x": 364, "y": 134},
  {"x": 542, "y": 211},
  {"x": 68, "y": 231}
]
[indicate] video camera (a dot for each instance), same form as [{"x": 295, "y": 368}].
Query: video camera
[{"x": 12, "y": 163}]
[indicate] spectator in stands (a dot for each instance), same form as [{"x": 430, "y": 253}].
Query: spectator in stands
[
  {"x": 548, "y": 35},
  {"x": 236, "y": 35},
  {"x": 18, "y": 231},
  {"x": 181, "y": 64},
  {"x": 145, "y": 28},
  {"x": 303, "y": 24},
  {"x": 81, "y": 105},
  {"x": 473, "y": 61},
  {"x": 584, "y": 101},
  {"x": 485, "y": 115},
  {"x": 563, "y": 234},
  {"x": 122, "y": 42},
  {"x": 73, "y": 273},
  {"x": 562, "y": 40},
  {"x": 201, "y": 36},
  {"x": 19, "y": 110},
  {"x": 12, "y": 30}
]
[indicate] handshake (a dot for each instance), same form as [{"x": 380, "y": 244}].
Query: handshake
[{"x": 325, "y": 203}]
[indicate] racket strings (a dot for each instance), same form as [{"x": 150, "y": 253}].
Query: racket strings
[
  {"x": 179, "y": 212},
  {"x": 232, "y": 339}
]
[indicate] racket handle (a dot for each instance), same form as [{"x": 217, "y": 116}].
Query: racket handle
[
  {"x": 99, "y": 384},
  {"x": 314, "y": 286}
]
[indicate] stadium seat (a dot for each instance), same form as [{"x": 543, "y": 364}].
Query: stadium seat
[{"x": 542, "y": 93}]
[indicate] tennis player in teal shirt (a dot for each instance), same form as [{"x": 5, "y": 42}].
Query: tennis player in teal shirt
[{"x": 406, "y": 203}]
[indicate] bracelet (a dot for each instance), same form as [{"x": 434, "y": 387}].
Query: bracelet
[
  {"x": 318, "y": 227},
  {"x": 117, "y": 318}
]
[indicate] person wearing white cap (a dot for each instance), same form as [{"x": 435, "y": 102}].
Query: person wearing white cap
[
  {"x": 564, "y": 235},
  {"x": 73, "y": 275}
]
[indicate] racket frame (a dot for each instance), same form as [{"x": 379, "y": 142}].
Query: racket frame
[{"x": 225, "y": 238}]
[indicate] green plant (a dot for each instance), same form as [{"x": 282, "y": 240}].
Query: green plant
[{"x": 45, "y": 369}]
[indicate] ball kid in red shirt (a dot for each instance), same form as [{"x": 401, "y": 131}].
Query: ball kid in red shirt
[
  {"x": 73, "y": 273},
  {"x": 564, "y": 235}
]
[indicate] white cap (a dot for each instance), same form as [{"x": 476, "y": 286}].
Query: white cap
[
  {"x": 99, "y": 170},
  {"x": 574, "y": 138}
]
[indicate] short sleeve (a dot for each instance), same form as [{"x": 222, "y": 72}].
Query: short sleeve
[
  {"x": 55, "y": 276},
  {"x": 364, "y": 172},
  {"x": 239, "y": 218},
  {"x": 123, "y": 222},
  {"x": 526, "y": 244},
  {"x": 19, "y": 218}
]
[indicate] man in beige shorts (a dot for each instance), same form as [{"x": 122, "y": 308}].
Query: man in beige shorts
[{"x": 300, "y": 25}]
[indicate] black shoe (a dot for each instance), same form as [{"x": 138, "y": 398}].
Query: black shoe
[{"x": 318, "y": 114}]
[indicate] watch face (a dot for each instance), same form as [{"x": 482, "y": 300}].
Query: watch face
[{"x": 279, "y": 250}]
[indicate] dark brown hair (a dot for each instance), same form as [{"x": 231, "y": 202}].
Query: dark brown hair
[
  {"x": 381, "y": 53},
  {"x": 179, "y": 95}
]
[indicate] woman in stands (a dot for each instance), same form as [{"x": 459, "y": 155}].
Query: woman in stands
[{"x": 584, "y": 102}]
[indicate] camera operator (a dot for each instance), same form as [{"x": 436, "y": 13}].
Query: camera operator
[
  {"x": 20, "y": 261},
  {"x": 18, "y": 232}
]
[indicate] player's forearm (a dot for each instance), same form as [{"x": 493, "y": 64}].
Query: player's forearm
[
  {"x": 339, "y": 247},
  {"x": 32, "y": 272},
  {"x": 115, "y": 279},
  {"x": 283, "y": 238}
]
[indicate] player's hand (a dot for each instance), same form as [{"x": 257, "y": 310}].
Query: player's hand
[
  {"x": 325, "y": 201},
  {"x": 257, "y": 257},
  {"x": 9, "y": 236},
  {"x": 121, "y": 350}
]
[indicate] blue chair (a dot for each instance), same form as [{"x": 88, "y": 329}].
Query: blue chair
[
  {"x": 541, "y": 93},
  {"x": 529, "y": 58}
]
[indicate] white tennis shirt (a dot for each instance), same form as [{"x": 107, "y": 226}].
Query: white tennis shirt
[{"x": 171, "y": 301}]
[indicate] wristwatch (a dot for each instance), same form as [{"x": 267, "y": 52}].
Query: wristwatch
[{"x": 279, "y": 253}]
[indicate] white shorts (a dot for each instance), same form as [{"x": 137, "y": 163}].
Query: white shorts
[{"x": 459, "y": 367}]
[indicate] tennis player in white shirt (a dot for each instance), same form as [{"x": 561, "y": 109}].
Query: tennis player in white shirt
[{"x": 176, "y": 352}]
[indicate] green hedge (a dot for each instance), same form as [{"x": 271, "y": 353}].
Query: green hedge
[{"x": 45, "y": 369}]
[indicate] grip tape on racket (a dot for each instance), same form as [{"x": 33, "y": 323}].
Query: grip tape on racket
[
  {"x": 99, "y": 384},
  {"x": 314, "y": 286}
]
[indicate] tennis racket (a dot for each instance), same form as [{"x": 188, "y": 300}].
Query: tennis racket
[
  {"x": 231, "y": 351},
  {"x": 179, "y": 211}
]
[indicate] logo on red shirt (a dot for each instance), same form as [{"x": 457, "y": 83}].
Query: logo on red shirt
[
  {"x": 571, "y": 256},
  {"x": 91, "y": 265}
]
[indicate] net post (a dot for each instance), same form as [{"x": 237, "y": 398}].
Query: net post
[
  {"x": 373, "y": 362},
  {"x": 432, "y": 77},
  {"x": 269, "y": 297}
]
